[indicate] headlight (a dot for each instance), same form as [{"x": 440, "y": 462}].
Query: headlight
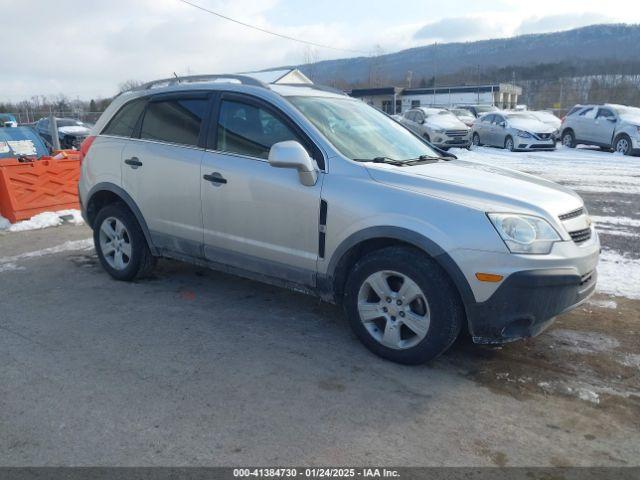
[
  {"x": 524, "y": 233},
  {"x": 523, "y": 134},
  {"x": 438, "y": 130}
]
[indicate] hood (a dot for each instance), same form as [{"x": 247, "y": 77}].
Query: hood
[
  {"x": 530, "y": 125},
  {"x": 445, "y": 122},
  {"x": 74, "y": 130},
  {"x": 479, "y": 186},
  {"x": 632, "y": 119}
]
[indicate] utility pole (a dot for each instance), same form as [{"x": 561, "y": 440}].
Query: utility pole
[{"x": 435, "y": 71}]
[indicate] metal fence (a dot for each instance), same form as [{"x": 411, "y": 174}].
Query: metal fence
[{"x": 31, "y": 116}]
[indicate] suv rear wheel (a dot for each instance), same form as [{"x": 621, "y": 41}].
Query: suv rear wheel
[
  {"x": 120, "y": 244},
  {"x": 568, "y": 139},
  {"x": 402, "y": 305}
]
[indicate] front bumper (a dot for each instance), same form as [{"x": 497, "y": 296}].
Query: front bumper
[
  {"x": 534, "y": 144},
  {"x": 445, "y": 141},
  {"x": 527, "y": 302}
]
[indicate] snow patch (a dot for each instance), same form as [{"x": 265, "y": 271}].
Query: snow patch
[
  {"x": 85, "y": 244},
  {"x": 584, "y": 342},
  {"x": 619, "y": 275},
  {"x": 631, "y": 360},
  {"x": 4, "y": 223},
  {"x": 45, "y": 220},
  {"x": 9, "y": 267},
  {"x": 603, "y": 303}
]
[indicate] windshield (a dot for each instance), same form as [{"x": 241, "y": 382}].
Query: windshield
[
  {"x": 486, "y": 108},
  {"x": 64, "y": 122},
  {"x": 359, "y": 131},
  {"x": 521, "y": 116},
  {"x": 461, "y": 112}
]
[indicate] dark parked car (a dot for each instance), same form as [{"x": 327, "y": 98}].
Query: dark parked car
[
  {"x": 70, "y": 132},
  {"x": 7, "y": 120},
  {"x": 21, "y": 142}
]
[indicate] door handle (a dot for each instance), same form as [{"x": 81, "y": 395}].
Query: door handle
[
  {"x": 133, "y": 162},
  {"x": 215, "y": 177}
]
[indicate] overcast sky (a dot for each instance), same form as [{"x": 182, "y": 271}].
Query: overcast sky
[{"x": 85, "y": 48}]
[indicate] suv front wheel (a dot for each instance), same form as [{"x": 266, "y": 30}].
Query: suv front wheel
[
  {"x": 622, "y": 145},
  {"x": 402, "y": 305},
  {"x": 120, "y": 244}
]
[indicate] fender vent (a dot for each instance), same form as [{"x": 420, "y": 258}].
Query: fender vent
[{"x": 322, "y": 228}]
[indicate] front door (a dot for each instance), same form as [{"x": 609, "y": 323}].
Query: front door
[
  {"x": 257, "y": 217},
  {"x": 161, "y": 171},
  {"x": 604, "y": 126}
]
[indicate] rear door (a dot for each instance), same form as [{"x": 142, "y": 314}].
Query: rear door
[
  {"x": 604, "y": 126},
  {"x": 161, "y": 169},
  {"x": 257, "y": 217},
  {"x": 584, "y": 123},
  {"x": 483, "y": 127}
]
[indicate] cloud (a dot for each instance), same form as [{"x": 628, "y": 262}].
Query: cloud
[
  {"x": 458, "y": 29},
  {"x": 555, "y": 23}
]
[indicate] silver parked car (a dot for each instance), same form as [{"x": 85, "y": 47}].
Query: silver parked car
[
  {"x": 438, "y": 126},
  {"x": 608, "y": 126},
  {"x": 318, "y": 192},
  {"x": 514, "y": 131}
]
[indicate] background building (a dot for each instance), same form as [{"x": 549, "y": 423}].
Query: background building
[{"x": 397, "y": 100}]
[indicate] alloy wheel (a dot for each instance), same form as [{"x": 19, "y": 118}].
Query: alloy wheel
[
  {"x": 393, "y": 309},
  {"x": 115, "y": 243},
  {"x": 622, "y": 146}
]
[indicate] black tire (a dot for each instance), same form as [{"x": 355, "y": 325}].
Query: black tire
[
  {"x": 512, "y": 146},
  {"x": 445, "y": 307},
  {"x": 476, "y": 139},
  {"x": 568, "y": 139},
  {"x": 141, "y": 262},
  {"x": 619, "y": 140}
]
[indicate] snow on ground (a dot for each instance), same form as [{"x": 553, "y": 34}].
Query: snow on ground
[
  {"x": 583, "y": 169},
  {"x": 43, "y": 220},
  {"x": 619, "y": 275},
  {"x": 10, "y": 263}
]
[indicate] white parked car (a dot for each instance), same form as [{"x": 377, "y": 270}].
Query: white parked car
[
  {"x": 548, "y": 118},
  {"x": 438, "y": 126},
  {"x": 513, "y": 131}
]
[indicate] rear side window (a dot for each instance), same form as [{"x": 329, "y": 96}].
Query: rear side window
[
  {"x": 174, "y": 120},
  {"x": 488, "y": 118},
  {"x": 603, "y": 112},
  {"x": 250, "y": 130},
  {"x": 588, "y": 113},
  {"x": 123, "y": 122}
]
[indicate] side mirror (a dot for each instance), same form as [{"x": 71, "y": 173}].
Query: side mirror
[
  {"x": 421, "y": 122},
  {"x": 612, "y": 119},
  {"x": 503, "y": 124},
  {"x": 291, "y": 154}
]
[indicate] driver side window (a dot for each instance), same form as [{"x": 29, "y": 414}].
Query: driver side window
[
  {"x": 249, "y": 130},
  {"x": 604, "y": 113}
]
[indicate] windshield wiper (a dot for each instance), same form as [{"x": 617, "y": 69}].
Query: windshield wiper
[
  {"x": 410, "y": 161},
  {"x": 390, "y": 161}
]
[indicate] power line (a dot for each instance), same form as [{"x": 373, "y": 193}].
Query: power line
[{"x": 287, "y": 37}]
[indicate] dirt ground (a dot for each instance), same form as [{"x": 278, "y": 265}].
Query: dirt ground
[{"x": 194, "y": 367}]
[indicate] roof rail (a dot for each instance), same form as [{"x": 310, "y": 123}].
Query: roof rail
[
  {"x": 243, "y": 79},
  {"x": 314, "y": 86}
]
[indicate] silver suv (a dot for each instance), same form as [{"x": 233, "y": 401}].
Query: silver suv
[
  {"x": 438, "y": 126},
  {"x": 608, "y": 126},
  {"x": 318, "y": 192}
]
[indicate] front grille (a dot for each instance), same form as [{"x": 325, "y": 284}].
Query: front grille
[
  {"x": 581, "y": 236},
  {"x": 544, "y": 136},
  {"x": 456, "y": 133},
  {"x": 571, "y": 214}
]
